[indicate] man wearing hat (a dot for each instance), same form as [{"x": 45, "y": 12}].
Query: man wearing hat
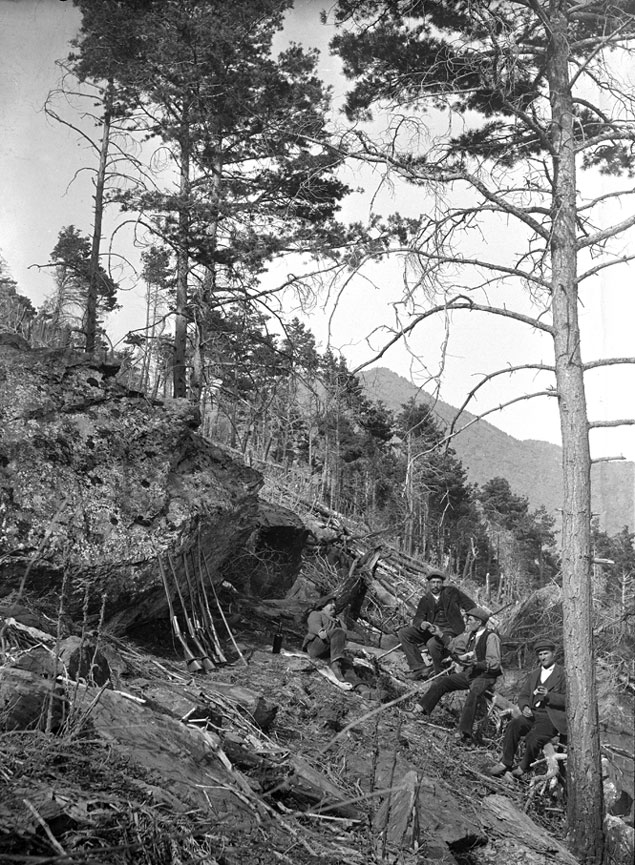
[
  {"x": 477, "y": 666},
  {"x": 438, "y": 618},
  {"x": 326, "y": 636},
  {"x": 540, "y": 715}
]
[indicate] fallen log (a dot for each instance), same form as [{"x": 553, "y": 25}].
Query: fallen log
[
  {"x": 290, "y": 779},
  {"x": 508, "y": 821}
]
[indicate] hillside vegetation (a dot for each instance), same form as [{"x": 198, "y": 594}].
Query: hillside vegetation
[{"x": 533, "y": 468}]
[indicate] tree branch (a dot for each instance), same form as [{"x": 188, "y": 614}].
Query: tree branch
[
  {"x": 484, "y": 414},
  {"x": 449, "y": 307},
  {"x": 607, "y": 361},
  {"x": 612, "y": 231},
  {"x": 596, "y": 424},
  {"x": 602, "y": 266},
  {"x": 490, "y": 376}
]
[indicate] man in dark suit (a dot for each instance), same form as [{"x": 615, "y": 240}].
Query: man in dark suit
[
  {"x": 541, "y": 715},
  {"x": 438, "y": 618}
]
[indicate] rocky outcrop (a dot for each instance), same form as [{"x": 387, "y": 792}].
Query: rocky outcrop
[{"x": 96, "y": 480}]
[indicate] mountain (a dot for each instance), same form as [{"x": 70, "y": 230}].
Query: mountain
[{"x": 533, "y": 468}]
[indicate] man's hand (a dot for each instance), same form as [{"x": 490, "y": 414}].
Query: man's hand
[
  {"x": 527, "y": 712},
  {"x": 467, "y": 657},
  {"x": 322, "y": 634},
  {"x": 425, "y": 626}
]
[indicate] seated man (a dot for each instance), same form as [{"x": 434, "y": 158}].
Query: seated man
[
  {"x": 326, "y": 636},
  {"x": 438, "y": 618},
  {"x": 477, "y": 666},
  {"x": 541, "y": 702}
]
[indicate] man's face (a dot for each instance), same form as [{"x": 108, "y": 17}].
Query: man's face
[
  {"x": 546, "y": 657},
  {"x": 473, "y": 624},
  {"x": 329, "y": 608},
  {"x": 436, "y": 584}
]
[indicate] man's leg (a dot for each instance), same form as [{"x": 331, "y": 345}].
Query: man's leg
[
  {"x": 541, "y": 732},
  {"x": 318, "y": 648},
  {"x": 337, "y": 641},
  {"x": 411, "y": 640},
  {"x": 477, "y": 687},
  {"x": 516, "y": 729},
  {"x": 453, "y": 682},
  {"x": 437, "y": 648}
]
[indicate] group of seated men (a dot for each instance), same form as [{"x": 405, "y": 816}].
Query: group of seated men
[{"x": 473, "y": 652}]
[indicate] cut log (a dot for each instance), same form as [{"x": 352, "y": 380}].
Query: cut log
[
  {"x": 508, "y": 821},
  {"x": 396, "y": 819}
]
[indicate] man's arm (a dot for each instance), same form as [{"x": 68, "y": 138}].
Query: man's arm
[
  {"x": 421, "y": 614},
  {"x": 314, "y": 622},
  {"x": 457, "y": 645},
  {"x": 492, "y": 662},
  {"x": 524, "y": 695},
  {"x": 466, "y": 603}
]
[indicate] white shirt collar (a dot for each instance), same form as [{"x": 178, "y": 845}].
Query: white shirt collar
[{"x": 545, "y": 672}]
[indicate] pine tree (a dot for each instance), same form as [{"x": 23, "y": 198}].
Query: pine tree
[
  {"x": 72, "y": 259},
  {"x": 242, "y": 131},
  {"x": 528, "y": 93}
]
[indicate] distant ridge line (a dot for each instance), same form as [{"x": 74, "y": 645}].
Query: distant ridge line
[{"x": 532, "y": 467}]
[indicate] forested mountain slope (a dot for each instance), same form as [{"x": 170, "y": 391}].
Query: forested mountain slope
[{"x": 533, "y": 468}]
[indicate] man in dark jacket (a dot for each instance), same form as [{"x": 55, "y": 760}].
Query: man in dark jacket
[
  {"x": 437, "y": 620},
  {"x": 477, "y": 656},
  {"x": 541, "y": 713}
]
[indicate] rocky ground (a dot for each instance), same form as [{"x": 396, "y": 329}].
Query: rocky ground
[
  {"x": 264, "y": 760},
  {"x": 113, "y": 751}
]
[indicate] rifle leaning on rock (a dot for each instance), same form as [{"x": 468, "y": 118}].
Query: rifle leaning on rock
[
  {"x": 190, "y": 660},
  {"x": 205, "y": 626},
  {"x": 203, "y": 656},
  {"x": 202, "y": 561}
]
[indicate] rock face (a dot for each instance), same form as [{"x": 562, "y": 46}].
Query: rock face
[{"x": 96, "y": 480}]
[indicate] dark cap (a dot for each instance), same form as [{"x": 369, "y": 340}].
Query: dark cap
[
  {"x": 435, "y": 572},
  {"x": 479, "y": 613},
  {"x": 545, "y": 645}
]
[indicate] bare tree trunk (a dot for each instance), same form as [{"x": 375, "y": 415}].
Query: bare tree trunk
[
  {"x": 182, "y": 271},
  {"x": 91, "y": 300},
  {"x": 585, "y": 799}
]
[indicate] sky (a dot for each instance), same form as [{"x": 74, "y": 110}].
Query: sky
[{"x": 45, "y": 185}]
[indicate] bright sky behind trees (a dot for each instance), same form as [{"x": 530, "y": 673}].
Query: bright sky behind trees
[{"x": 39, "y": 159}]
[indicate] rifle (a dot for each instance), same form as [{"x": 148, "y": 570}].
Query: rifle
[
  {"x": 208, "y": 664},
  {"x": 190, "y": 660},
  {"x": 207, "y": 630},
  {"x": 220, "y": 609}
]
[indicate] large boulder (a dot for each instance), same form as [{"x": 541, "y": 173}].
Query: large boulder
[{"x": 97, "y": 480}]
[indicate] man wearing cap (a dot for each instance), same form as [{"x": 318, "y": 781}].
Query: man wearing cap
[
  {"x": 541, "y": 713},
  {"x": 326, "y": 636},
  {"x": 477, "y": 666},
  {"x": 437, "y": 620}
]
